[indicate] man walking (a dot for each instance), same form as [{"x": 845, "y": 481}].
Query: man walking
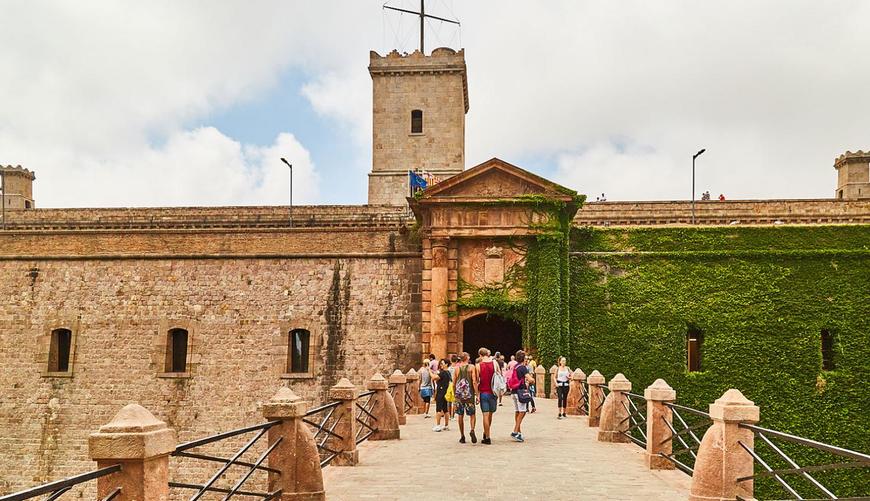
[
  {"x": 488, "y": 401},
  {"x": 465, "y": 388}
]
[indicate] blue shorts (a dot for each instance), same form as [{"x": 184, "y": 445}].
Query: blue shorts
[
  {"x": 464, "y": 408},
  {"x": 488, "y": 402}
]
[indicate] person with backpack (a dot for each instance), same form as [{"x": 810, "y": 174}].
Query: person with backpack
[
  {"x": 442, "y": 381},
  {"x": 451, "y": 392},
  {"x": 491, "y": 383},
  {"x": 426, "y": 387},
  {"x": 465, "y": 388},
  {"x": 519, "y": 382},
  {"x": 562, "y": 380}
]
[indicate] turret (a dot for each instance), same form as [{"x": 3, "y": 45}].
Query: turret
[
  {"x": 17, "y": 187},
  {"x": 853, "y": 175}
]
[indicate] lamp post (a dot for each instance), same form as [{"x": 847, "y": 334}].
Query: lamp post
[
  {"x": 291, "y": 189},
  {"x": 696, "y": 155}
]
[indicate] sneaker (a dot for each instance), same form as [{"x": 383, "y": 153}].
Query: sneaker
[
  {"x": 560, "y": 417},
  {"x": 486, "y": 441},
  {"x": 473, "y": 437},
  {"x": 514, "y": 434},
  {"x": 446, "y": 428},
  {"x": 462, "y": 439},
  {"x": 500, "y": 404},
  {"x": 426, "y": 416},
  {"x": 519, "y": 437},
  {"x": 437, "y": 428}
]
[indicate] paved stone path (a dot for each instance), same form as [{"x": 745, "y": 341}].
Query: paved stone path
[{"x": 560, "y": 460}]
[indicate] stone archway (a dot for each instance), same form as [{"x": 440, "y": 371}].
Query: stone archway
[{"x": 492, "y": 331}]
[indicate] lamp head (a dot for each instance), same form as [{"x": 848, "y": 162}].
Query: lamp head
[
  {"x": 696, "y": 155},
  {"x": 286, "y": 162}
]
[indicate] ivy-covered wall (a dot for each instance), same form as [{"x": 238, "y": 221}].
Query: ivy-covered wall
[{"x": 761, "y": 297}]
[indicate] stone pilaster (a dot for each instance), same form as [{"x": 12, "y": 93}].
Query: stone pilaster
[
  {"x": 658, "y": 416},
  {"x": 614, "y": 415},
  {"x": 141, "y": 444},
  {"x": 439, "y": 299},
  {"x": 384, "y": 410},
  {"x": 540, "y": 382},
  {"x": 553, "y": 370},
  {"x": 297, "y": 457},
  {"x": 595, "y": 381},
  {"x": 398, "y": 381},
  {"x": 345, "y": 415},
  {"x": 413, "y": 387},
  {"x": 721, "y": 460},
  {"x": 575, "y": 393}
]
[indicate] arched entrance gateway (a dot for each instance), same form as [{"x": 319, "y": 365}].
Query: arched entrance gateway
[
  {"x": 491, "y": 331},
  {"x": 475, "y": 228}
]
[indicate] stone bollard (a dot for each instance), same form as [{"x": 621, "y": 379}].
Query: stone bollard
[
  {"x": 553, "y": 370},
  {"x": 384, "y": 410},
  {"x": 540, "y": 382},
  {"x": 575, "y": 394},
  {"x": 658, "y": 434},
  {"x": 347, "y": 426},
  {"x": 594, "y": 383},
  {"x": 721, "y": 460},
  {"x": 614, "y": 415},
  {"x": 296, "y": 457},
  {"x": 412, "y": 386},
  {"x": 141, "y": 444},
  {"x": 398, "y": 380}
]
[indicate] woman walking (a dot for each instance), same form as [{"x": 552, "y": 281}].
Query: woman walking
[
  {"x": 563, "y": 382},
  {"x": 442, "y": 381}
]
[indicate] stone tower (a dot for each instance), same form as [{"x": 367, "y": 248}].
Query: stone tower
[
  {"x": 853, "y": 175},
  {"x": 18, "y": 184},
  {"x": 419, "y": 107}
]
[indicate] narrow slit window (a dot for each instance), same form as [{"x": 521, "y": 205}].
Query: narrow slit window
[
  {"x": 299, "y": 350},
  {"x": 416, "y": 121},
  {"x": 694, "y": 342},
  {"x": 176, "y": 351},
  {"x": 59, "y": 351},
  {"x": 827, "y": 350}
]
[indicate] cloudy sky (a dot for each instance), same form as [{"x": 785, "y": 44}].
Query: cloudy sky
[{"x": 125, "y": 103}]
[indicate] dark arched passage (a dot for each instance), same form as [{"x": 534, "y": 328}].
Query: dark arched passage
[{"x": 493, "y": 332}]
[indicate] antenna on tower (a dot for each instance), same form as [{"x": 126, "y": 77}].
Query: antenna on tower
[{"x": 423, "y": 16}]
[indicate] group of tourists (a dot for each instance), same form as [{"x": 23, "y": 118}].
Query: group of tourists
[{"x": 459, "y": 384}]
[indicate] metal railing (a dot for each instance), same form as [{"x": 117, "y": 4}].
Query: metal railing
[
  {"x": 409, "y": 399},
  {"x": 367, "y": 421},
  {"x": 637, "y": 419},
  {"x": 583, "y": 401},
  {"x": 201, "y": 489},
  {"x": 324, "y": 430},
  {"x": 602, "y": 395},
  {"x": 698, "y": 421},
  {"x": 805, "y": 480},
  {"x": 58, "y": 488}
]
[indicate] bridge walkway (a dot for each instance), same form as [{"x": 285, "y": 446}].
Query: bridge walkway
[{"x": 560, "y": 460}]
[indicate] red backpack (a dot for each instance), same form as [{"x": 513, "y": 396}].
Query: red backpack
[{"x": 513, "y": 382}]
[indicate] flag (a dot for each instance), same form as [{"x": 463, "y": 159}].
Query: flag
[{"x": 417, "y": 182}]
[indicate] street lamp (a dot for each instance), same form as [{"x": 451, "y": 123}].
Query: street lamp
[
  {"x": 696, "y": 155},
  {"x": 291, "y": 189}
]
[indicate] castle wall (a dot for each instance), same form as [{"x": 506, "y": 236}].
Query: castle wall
[{"x": 235, "y": 291}]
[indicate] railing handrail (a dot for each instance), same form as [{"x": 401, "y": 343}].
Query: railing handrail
[
  {"x": 689, "y": 409},
  {"x": 808, "y": 442},
  {"x": 53, "y": 487},
  {"x": 321, "y": 408},
  {"x": 223, "y": 435}
]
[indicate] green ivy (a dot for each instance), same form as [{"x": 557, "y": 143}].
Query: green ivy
[{"x": 761, "y": 296}]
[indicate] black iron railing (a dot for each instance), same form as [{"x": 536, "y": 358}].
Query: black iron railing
[
  {"x": 201, "y": 489},
  {"x": 583, "y": 401},
  {"x": 636, "y": 418},
  {"x": 794, "y": 477},
  {"x": 367, "y": 421},
  {"x": 602, "y": 392},
  {"x": 58, "y": 488},
  {"x": 687, "y": 427},
  {"x": 409, "y": 399},
  {"x": 324, "y": 429}
]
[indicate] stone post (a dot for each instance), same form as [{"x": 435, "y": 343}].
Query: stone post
[
  {"x": 398, "y": 380},
  {"x": 658, "y": 435},
  {"x": 614, "y": 415},
  {"x": 594, "y": 382},
  {"x": 540, "y": 382},
  {"x": 347, "y": 426},
  {"x": 438, "y": 301},
  {"x": 141, "y": 444},
  {"x": 553, "y": 370},
  {"x": 412, "y": 386},
  {"x": 721, "y": 460},
  {"x": 575, "y": 393},
  {"x": 384, "y": 410},
  {"x": 297, "y": 458}
]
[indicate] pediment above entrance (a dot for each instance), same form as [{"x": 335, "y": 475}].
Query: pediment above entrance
[{"x": 494, "y": 179}]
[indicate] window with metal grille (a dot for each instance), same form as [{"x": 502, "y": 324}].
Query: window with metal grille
[
  {"x": 416, "y": 121},
  {"x": 59, "y": 350},
  {"x": 176, "y": 351},
  {"x": 827, "y": 350},
  {"x": 299, "y": 340},
  {"x": 694, "y": 342}
]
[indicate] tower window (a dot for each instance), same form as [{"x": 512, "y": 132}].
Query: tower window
[
  {"x": 416, "y": 121},
  {"x": 694, "y": 340},
  {"x": 827, "y": 350},
  {"x": 176, "y": 351},
  {"x": 299, "y": 340},
  {"x": 59, "y": 350}
]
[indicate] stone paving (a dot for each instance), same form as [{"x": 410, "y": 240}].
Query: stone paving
[{"x": 560, "y": 460}]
